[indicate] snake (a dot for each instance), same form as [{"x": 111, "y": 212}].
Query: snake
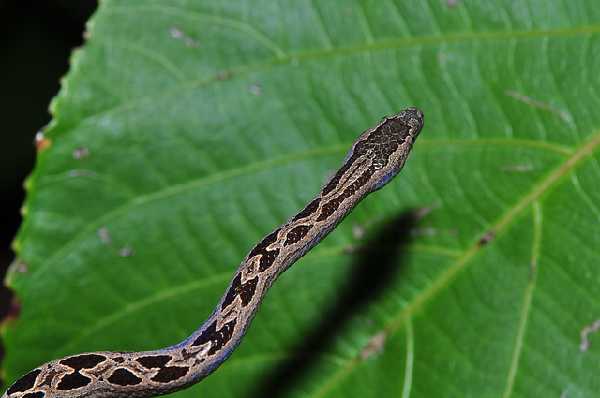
[{"x": 375, "y": 157}]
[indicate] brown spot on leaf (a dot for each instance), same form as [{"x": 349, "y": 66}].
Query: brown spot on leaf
[
  {"x": 178, "y": 34},
  {"x": 80, "y": 153},
  {"x": 486, "y": 238},
  {"x": 374, "y": 346},
  {"x": 224, "y": 75},
  {"x": 20, "y": 266},
  {"x": 104, "y": 235},
  {"x": 41, "y": 142},
  {"x": 358, "y": 231},
  {"x": 255, "y": 89},
  {"x": 585, "y": 335},
  {"x": 126, "y": 251}
]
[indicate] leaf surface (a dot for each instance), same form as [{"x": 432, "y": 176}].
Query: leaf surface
[{"x": 185, "y": 131}]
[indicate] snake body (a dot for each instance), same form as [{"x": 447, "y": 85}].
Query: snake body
[{"x": 375, "y": 157}]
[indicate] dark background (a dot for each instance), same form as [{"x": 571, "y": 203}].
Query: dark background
[{"x": 36, "y": 39}]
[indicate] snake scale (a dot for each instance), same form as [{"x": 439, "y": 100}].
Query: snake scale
[{"x": 375, "y": 157}]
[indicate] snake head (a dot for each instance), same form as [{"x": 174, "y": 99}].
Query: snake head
[
  {"x": 413, "y": 118},
  {"x": 390, "y": 143}
]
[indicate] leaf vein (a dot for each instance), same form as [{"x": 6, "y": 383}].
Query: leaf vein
[{"x": 527, "y": 299}]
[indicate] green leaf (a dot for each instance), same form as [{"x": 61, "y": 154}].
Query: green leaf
[{"x": 185, "y": 131}]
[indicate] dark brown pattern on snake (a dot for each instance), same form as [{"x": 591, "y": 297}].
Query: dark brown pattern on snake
[
  {"x": 238, "y": 289},
  {"x": 123, "y": 377}
]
